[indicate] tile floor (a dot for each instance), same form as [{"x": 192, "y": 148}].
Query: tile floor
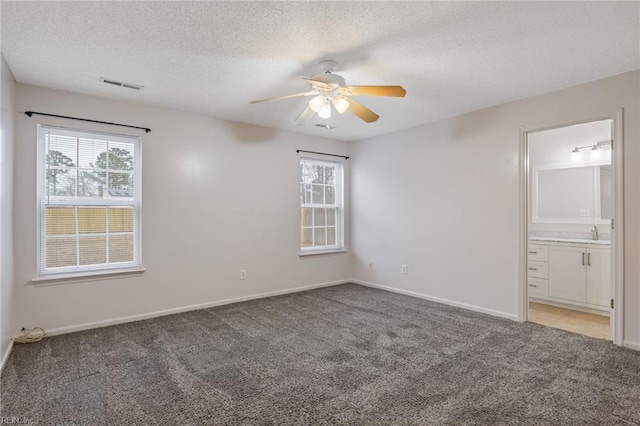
[{"x": 592, "y": 325}]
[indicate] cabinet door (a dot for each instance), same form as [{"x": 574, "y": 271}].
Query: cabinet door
[
  {"x": 598, "y": 276},
  {"x": 568, "y": 273}
]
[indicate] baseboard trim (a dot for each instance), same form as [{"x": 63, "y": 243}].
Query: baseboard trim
[
  {"x": 474, "y": 308},
  {"x": 6, "y": 356},
  {"x": 139, "y": 317},
  {"x": 631, "y": 345}
]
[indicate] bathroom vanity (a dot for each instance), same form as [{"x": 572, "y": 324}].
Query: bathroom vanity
[{"x": 568, "y": 271}]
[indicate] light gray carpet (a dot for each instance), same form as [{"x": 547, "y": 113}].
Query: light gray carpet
[{"x": 340, "y": 355}]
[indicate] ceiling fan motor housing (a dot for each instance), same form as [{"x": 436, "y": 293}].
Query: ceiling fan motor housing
[
  {"x": 331, "y": 79},
  {"x": 328, "y": 67}
]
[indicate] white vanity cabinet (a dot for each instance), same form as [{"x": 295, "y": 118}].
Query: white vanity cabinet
[
  {"x": 599, "y": 276},
  {"x": 570, "y": 273},
  {"x": 538, "y": 270}
]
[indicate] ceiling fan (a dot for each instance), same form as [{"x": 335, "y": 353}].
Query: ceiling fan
[{"x": 328, "y": 88}]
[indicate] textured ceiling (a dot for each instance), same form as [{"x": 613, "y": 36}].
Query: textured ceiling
[{"x": 215, "y": 57}]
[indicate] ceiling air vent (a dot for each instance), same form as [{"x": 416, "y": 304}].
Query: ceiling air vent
[
  {"x": 325, "y": 126},
  {"x": 121, "y": 84}
]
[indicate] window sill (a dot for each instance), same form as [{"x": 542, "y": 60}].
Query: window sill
[
  {"x": 77, "y": 277},
  {"x": 320, "y": 252}
]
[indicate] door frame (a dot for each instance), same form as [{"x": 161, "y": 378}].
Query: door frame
[{"x": 617, "y": 234}]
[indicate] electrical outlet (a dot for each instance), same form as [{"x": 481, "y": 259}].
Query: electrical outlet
[
  {"x": 405, "y": 269},
  {"x": 371, "y": 264},
  {"x": 243, "y": 274}
]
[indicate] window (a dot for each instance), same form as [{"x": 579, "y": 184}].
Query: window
[
  {"x": 89, "y": 202},
  {"x": 321, "y": 212}
]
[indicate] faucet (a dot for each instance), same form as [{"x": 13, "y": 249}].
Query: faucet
[{"x": 594, "y": 232}]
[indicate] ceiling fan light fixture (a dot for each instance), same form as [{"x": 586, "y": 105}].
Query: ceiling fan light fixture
[
  {"x": 328, "y": 88},
  {"x": 341, "y": 103},
  {"x": 317, "y": 102},
  {"x": 325, "y": 111}
]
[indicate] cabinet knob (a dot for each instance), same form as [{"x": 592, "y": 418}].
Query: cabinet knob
[
  {"x": 533, "y": 252},
  {"x": 532, "y": 285},
  {"x": 533, "y": 269}
]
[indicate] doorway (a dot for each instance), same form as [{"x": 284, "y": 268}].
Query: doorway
[{"x": 571, "y": 239}]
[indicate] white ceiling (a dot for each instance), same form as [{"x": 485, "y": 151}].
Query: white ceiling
[{"x": 215, "y": 57}]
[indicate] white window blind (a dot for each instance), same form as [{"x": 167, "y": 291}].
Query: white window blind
[
  {"x": 89, "y": 202},
  {"x": 321, "y": 205}
]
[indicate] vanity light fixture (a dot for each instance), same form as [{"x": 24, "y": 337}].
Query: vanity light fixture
[
  {"x": 575, "y": 154},
  {"x": 594, "y": 150}
]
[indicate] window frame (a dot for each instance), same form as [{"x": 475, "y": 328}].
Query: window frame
[
  {"x": 339, "y": 186},
  {"x": 44, "y": 273}
]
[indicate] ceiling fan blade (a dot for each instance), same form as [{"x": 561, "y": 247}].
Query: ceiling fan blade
[
  {"x": 295, "y": 95},
  {"x": 305, "y": 116},
  {"x": 395, "y": 91},
  {"x": 362, "y": 111},
  {"x": 319, "y": 83}
]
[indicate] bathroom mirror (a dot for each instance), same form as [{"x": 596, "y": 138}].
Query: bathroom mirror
[{"x": 572, "y": 194}]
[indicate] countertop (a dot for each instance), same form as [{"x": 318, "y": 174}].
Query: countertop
[{"x": 571, "y": 240}]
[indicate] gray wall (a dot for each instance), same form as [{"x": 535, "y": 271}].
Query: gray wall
[
  {"x": 217, "y": 197},
  {"x": 443, "y": 198}
]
